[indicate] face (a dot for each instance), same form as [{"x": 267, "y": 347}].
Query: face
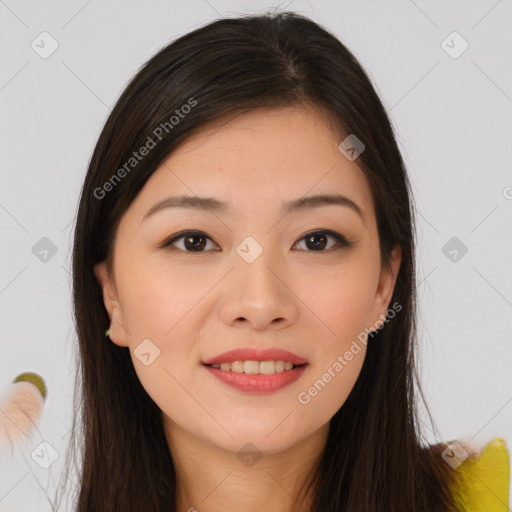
[{"x": 253, "y": 274}]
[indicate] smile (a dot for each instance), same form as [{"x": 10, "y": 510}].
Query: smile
[
  {"x": 256, "y": 367},
  {"x": 256, "y": 377}
]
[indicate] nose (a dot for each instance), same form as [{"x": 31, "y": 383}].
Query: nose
[{"x": 259, "y": 295}]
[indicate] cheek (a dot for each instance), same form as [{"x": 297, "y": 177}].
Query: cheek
[
  {"x": 170, "y": 321},
  {"x": 329, "y": 388},
  {"x": 166, "y": 308},
  {"x": 339, "y": 358},
  {"x": 339, "y": 301},
  {"x": 338, "y": 304},
  {"x": 156, "y": 302}
]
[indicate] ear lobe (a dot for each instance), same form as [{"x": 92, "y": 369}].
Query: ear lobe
[
  {"x": 117, "y": 333},
  {"x": 109, "y": 296},
  {"x": 387, "y": 285}
]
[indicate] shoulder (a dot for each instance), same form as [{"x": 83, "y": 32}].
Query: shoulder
[{"x": 482, "y": 482}]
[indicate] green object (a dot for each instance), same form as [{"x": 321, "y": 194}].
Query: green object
[
  {"x": 33, "y": 378},
  {"x": 107, "y": 333}
]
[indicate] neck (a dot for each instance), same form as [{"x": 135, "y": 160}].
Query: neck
[{"x": 212, "y": 479}]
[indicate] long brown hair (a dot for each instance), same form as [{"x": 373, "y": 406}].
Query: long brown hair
[{"x": 376, "y": 457}]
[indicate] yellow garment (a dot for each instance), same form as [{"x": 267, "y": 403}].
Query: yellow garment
[{"x": 484, "y": 480}]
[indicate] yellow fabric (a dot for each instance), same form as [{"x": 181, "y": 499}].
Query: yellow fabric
[{"x": 483, "y": 484}]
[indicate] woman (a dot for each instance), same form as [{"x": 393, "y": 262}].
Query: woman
[{"x": 245, "y": 237}]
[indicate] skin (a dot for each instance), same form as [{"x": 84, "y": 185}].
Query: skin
[{"x": 195, "y": 305}]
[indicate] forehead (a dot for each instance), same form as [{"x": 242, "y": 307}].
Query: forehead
[
  {"x": 265, "y": 156},
  {"x": 262, "y": 135}
]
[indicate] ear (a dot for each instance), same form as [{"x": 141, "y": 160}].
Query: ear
[
  {"x": 385, "y": 289},
  {"x": 117, "y": 331}
]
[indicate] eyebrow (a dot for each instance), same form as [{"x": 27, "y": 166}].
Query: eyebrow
[{"x": 210, "y": 204}]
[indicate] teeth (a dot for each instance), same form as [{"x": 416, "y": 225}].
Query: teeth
[
  {"x": 254, "y": 367},
  {"x": 237, "y": 366},
  {"x": 251, "y": 367}
]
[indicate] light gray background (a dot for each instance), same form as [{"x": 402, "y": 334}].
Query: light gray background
[{"x": 453, "y": 118}]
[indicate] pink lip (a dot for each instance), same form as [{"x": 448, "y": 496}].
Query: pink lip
[
  {"x": 257, "y": 383},
  {"x": 254, "y": 354}
]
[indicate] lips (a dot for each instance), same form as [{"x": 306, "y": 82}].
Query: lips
[
  {"x": 255, "y": 354},
  {"x": 257, "y": 384}
]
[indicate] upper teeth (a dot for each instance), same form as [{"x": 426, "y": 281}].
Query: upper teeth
[{"x": 264, "y": 367}]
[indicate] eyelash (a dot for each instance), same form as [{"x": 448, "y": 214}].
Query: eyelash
[{"x": 342, "y": 241}]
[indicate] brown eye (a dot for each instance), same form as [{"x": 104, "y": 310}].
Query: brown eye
[
  {"x": 196, "y": 241},
  {"x": 318, "y": 240},
  {"x": 193, "y": 241}
]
